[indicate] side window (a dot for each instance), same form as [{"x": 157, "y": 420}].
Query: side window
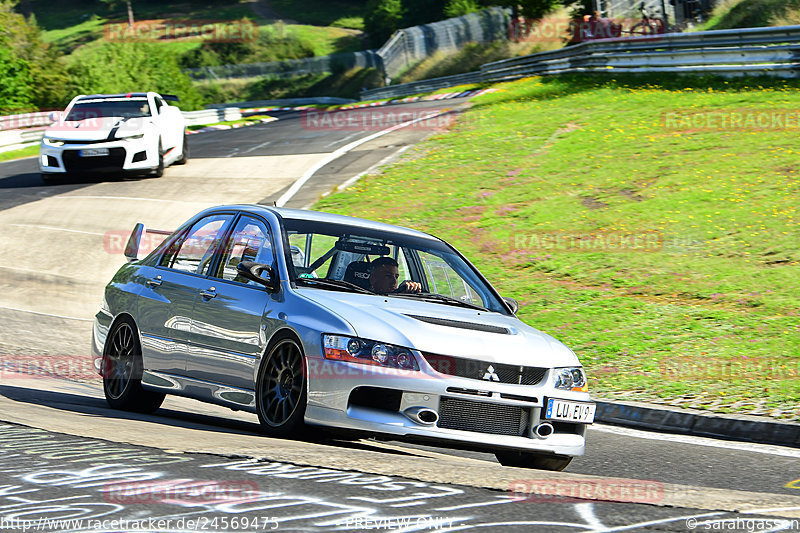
[
  {"x": 195, "y": 252},
  {"x": 442, "y": 279},
  {"x": 158, "y": 103},
  {"x": 402, "y": 266},
  {"x": 249, "y": 242}
]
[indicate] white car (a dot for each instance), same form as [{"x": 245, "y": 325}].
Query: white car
[{"x": 134, "y": 133}]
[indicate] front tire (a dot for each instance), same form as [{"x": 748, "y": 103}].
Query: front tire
[
  {"x": 281, "y": 389},
  {"x": 159, "y": 170},
  {"x": 122, "y": 371},
  {"x": 533, "y": 460}
]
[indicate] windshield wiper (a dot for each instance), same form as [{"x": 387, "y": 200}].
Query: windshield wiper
[
  {"x": 439, "y": 298},
  {"x": 334, "y": 284}
]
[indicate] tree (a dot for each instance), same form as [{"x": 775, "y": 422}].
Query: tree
[
  {"x": 458, "y": 8},
  {"x": 383, "y": 17},
  {"x": 31, "y": 74},
  {"x": 114, "y": 3},
  {"x": 121, "y": 67}
]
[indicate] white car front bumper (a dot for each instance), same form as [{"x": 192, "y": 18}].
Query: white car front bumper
[{"x": 135, "y": 156}]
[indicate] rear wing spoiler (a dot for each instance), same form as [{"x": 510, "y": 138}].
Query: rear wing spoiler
[
  {"x": 135, "y": 240},
  {"x": 170, "y": 97}
]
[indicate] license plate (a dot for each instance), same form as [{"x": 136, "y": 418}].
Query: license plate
[
  {"x": 93, "y": 152},
  {"x": 569, "y": 411}
]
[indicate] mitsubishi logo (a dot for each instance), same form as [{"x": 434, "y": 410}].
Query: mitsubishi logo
[{"x": 490, "y": 374}]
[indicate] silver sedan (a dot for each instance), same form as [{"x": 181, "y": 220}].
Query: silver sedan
[{"x": 313, "y": 319}]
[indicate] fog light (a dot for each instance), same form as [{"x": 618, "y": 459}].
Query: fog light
[
  {"x": 353, "y": 346},
  {"x": 404, "y": 360},
  {"x": 380, "y": 353}
]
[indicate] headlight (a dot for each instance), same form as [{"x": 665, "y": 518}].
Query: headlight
[
  {"x": 571, "y": 378},
  {"x": 130, "y": 137},
  {"x": 355, "y": 350},
  {"x": 52, "y": 142}
]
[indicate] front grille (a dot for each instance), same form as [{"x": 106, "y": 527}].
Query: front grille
[
  {"x": 79, "y": 141},
  {"x": 482, "y": 417},
  {"x": 107, "y": 163},
  {"x": 485, "y": 370}
]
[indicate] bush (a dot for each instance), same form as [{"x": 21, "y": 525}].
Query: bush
[{"x": 274, "y": 43}]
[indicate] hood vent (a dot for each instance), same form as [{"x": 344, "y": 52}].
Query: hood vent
[{"x": 462, "y": 325}]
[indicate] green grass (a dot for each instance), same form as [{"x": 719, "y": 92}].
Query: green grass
[
  {"x": 588, "y": 157},
  {"x": 30, "y": 151},
  {"x": 731, "y": 14},
  {"x": 339, "y": 13},
  {"x": 86, "y": 29}
]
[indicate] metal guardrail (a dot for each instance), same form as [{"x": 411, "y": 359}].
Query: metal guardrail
[
  {"x": 210, "y": 116},
  {"x": 287, "y": 102},
  {"x": 753, "y": 51},
  {"x": 21, "y": 138}
]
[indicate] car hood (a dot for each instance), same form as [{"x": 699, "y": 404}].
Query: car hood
[
  {"x": 95, "y": 129},
  {"x": 392, "y": 320}
]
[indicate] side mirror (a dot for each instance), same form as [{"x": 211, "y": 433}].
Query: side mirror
[
  {"x": 258, "y": 272},
  {"x": 132, "y": 248},
  {"x": 512, "y": 304},
  {"x": 54, "y": 116}
]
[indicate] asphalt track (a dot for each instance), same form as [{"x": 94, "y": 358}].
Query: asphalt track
[{"x": 60, "y": 246}]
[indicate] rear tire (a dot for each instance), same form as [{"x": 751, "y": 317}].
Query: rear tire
[
  {"x": 533, "y": 460},
  {"x": 281, "y": 389},
  {"x": 122, "y": 371},
  {"x": 185, "y": 153}
]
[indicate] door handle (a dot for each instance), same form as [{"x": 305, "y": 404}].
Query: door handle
[
  {"x": 155, "y": 282},
  {"x": 209, "y": 293}
]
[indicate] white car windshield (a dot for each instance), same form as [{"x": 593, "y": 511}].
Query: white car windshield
[
  {"x": 127, "y": 108},
  {"x": 331, "y": 256}
]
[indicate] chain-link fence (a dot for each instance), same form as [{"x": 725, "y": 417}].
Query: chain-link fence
[
  {"x": 411, "y": 45},
  {"x": 403, "y": 49}
]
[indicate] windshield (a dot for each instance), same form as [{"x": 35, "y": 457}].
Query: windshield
[
  {"x": 329, "y": 256},
  {"x": 127, "y": 108}
]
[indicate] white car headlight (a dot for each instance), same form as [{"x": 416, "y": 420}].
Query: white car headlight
[
  {"x": 570, "y": 378},
  {"x": 355, "y": 350},
  {"x": 130, "y": 137},
  {"x": 49, "y": 141}
]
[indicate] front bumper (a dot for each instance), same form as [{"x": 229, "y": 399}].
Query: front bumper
[
  {"x": 124, "y": 156},
  {"x": 472, "y": 413}
]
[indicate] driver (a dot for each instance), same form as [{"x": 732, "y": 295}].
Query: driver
[{"x": 383, "y": 277}]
